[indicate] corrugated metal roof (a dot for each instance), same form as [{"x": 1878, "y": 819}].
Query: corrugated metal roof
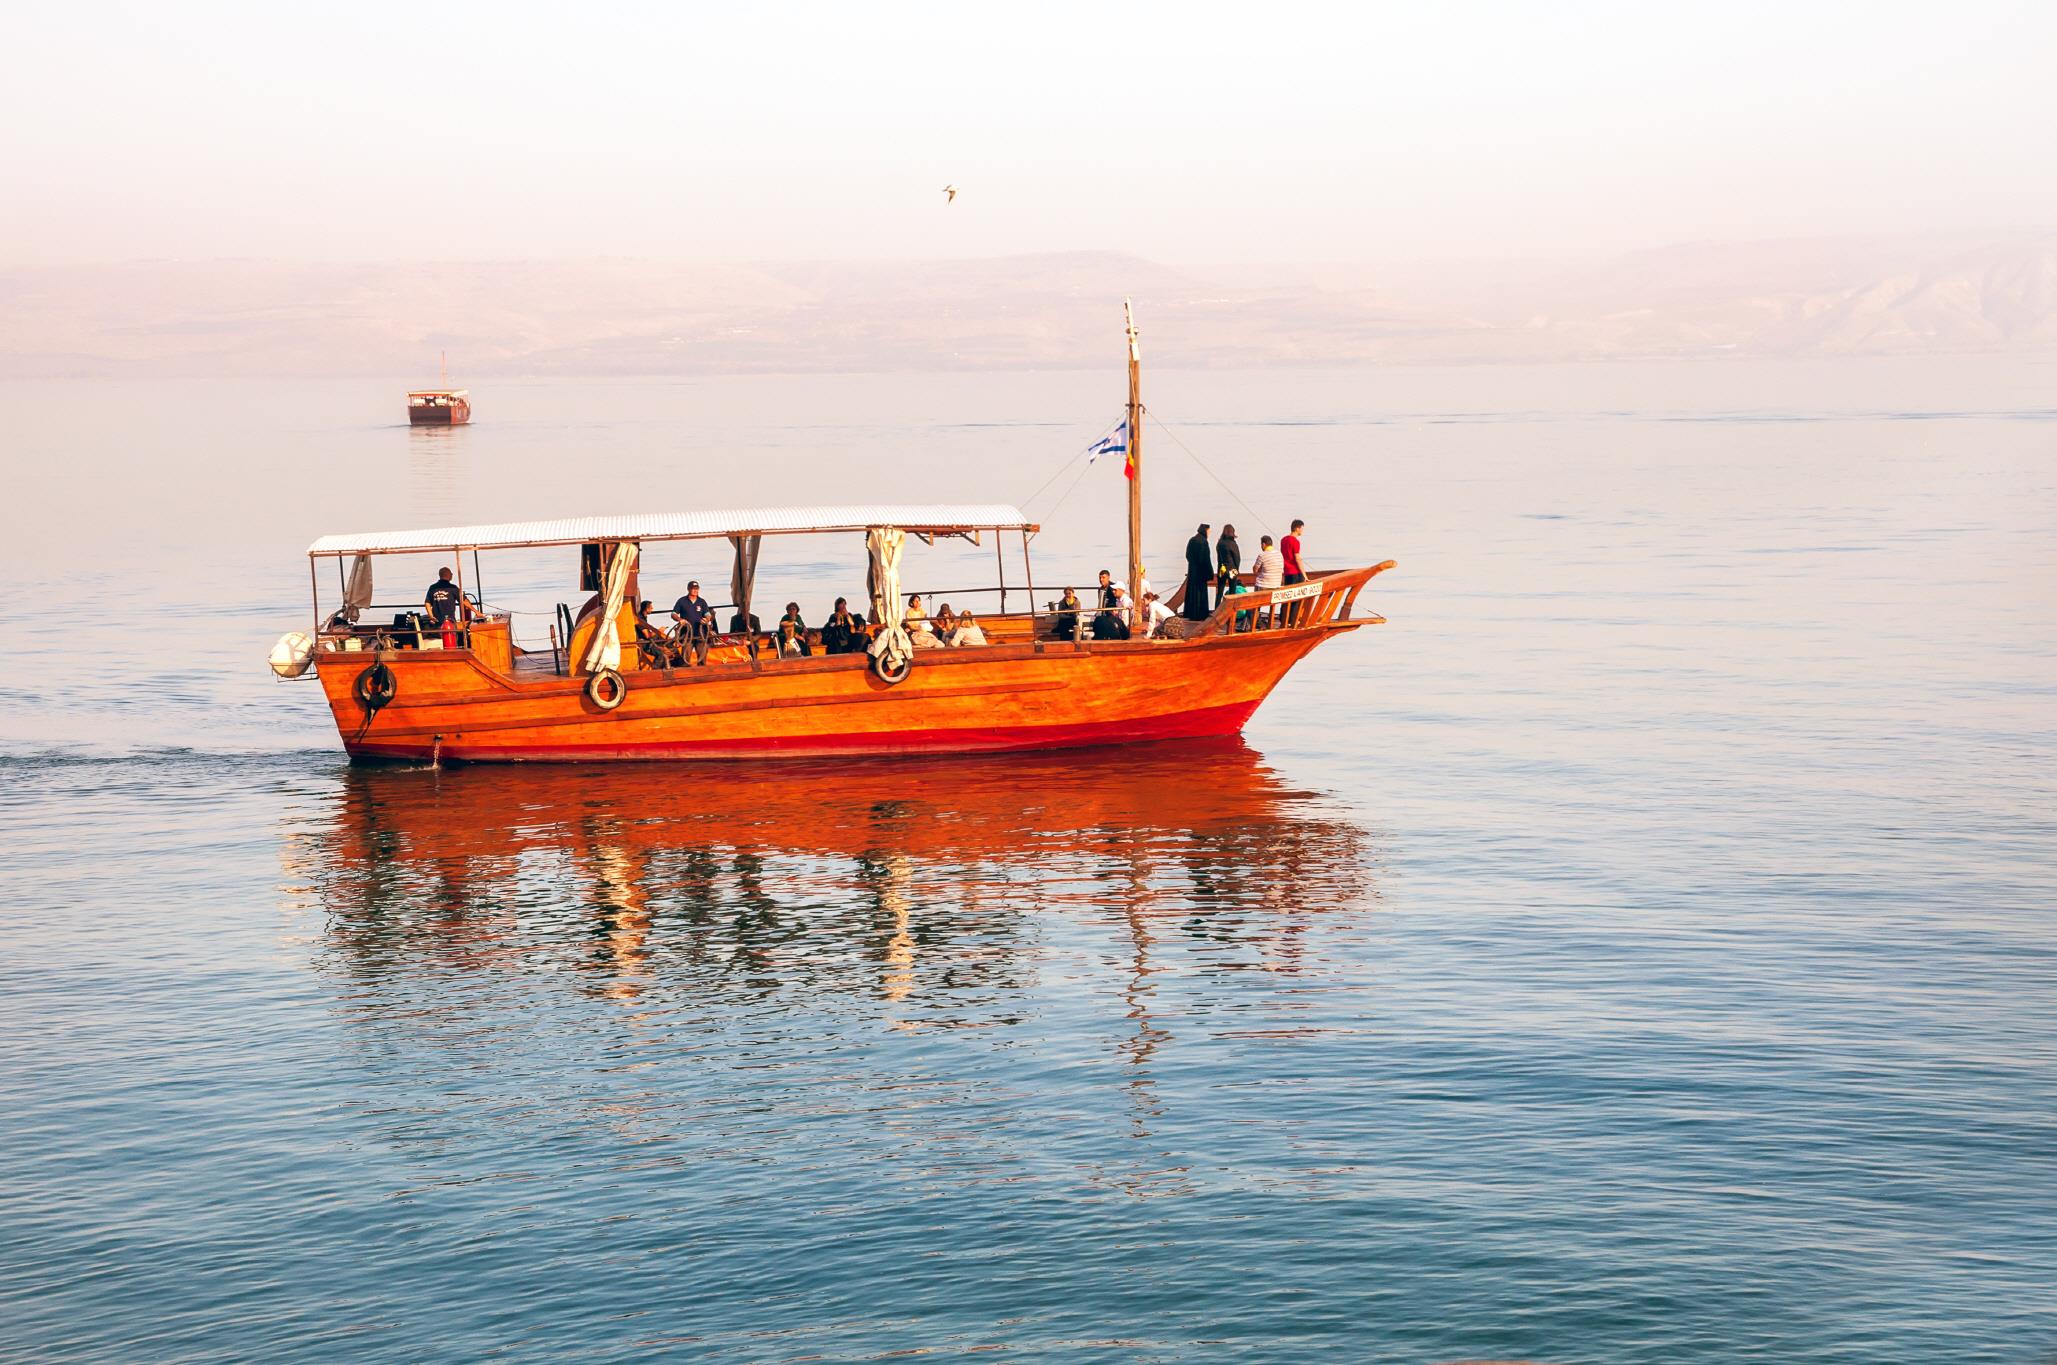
[{"x": 681, "y": 526}]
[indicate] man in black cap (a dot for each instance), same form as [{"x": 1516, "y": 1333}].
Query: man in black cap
[
  {"x": 1199, "y": 574},
  {"x": 695, "y": 617}
]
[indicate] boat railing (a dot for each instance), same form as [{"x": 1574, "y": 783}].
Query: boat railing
[
  {"x": 1324, "y": 597},
  {"x": 402, "y": 625}
]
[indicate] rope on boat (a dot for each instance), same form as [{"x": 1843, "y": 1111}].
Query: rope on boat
[
  {"x": 1261, "y": 522},
  {"x": 1068, "y": 491},
  {"x": 1058, "y": 473}
]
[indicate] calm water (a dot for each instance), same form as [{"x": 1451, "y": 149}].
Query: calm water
[{"x": 1643, "y": 949}]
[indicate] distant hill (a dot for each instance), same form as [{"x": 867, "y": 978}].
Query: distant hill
[{"x": 626, "y": 317}]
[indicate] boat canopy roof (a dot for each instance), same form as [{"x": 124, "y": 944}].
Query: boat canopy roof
[
  {"x": 937, "y": 519},
  {"x": 438, "y": 393}
]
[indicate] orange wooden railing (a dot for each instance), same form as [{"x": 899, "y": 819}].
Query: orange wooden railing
[{"x": 1329, "y": 595}]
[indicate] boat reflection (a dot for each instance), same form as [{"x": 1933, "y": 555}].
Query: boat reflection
[{"x": 920, "y": 881}]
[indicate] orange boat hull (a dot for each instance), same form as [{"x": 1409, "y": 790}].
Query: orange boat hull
[{"x": 1000, "y": 698}]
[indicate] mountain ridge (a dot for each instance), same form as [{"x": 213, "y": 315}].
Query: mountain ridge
[{"x": 619, "y": 316}]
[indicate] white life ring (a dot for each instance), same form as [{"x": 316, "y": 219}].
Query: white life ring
[{"x": 597, "y": 689}]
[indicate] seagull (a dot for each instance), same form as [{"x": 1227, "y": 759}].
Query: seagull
[{"x": 950, "y": 194}]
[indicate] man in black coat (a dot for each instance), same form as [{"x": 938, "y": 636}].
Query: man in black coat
[{"x": 1199, "y": 575}]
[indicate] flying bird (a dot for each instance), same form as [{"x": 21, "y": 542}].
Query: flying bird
[{"x": 950, "y": 194}]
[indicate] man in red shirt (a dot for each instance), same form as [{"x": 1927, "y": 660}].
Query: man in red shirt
[{"x": 1290, "y": 548}]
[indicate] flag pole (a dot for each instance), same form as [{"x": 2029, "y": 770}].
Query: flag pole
[{"x": 1135, "y": 460}]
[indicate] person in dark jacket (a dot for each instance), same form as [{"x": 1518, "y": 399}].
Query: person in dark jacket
[
  {"x": 1199, "y": 574},
  {"x": 1111, "y": 623},
  {"x": 1068, "y": 607},
  {"x": 657, "y": 648},
  {"x": 840, "y": 632},
  {"x": 1228, "y": 563}
]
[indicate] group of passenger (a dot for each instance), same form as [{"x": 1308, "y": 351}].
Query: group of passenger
[
  {"x": 947, "y": 629},
  {"x": 1221, "y": 568},
  {"x": 1113, "y": 618},
  {"x": 1214, "y": 573},
  {"x": 695, "y": 624}
]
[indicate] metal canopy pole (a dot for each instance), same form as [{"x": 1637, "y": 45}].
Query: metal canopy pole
[
  {"x": 457, "y": 553},
  {"x": 1028, "y": 571}
]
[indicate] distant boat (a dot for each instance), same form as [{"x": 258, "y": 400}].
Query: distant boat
[
  {"x": 439, "y": 407},
  {"x": 444, "y": 407}
]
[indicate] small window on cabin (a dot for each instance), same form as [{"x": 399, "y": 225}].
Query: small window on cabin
[{"x": 589, "y": 568}]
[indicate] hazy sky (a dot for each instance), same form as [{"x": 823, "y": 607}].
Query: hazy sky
[{"x": 1187, "y": 133}]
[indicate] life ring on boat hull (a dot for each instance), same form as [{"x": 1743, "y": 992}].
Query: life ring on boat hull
[
  {"x": 375, "y": 687},
  {"x": 889, "y": 676},
  {"x": 598, "y": 693}
]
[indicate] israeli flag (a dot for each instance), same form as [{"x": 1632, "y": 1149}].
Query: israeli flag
[{"x": 1114, "y": 442}]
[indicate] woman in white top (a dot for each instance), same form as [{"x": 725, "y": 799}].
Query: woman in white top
[
  {"x": 919, "y": 630},
  {"x": 1155, "y": 614},
  {"x": 1269, "y": 567}
]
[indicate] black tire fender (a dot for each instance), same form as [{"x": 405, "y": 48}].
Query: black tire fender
[
  {"x": 375, "y": 687},
  {"x": 891, "y": 676}
]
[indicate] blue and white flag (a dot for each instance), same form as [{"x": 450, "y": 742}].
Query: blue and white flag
[{"x": 1114, "y": 442}]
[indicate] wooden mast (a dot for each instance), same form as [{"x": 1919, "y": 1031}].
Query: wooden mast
[{"x": 1135, "y": 465}]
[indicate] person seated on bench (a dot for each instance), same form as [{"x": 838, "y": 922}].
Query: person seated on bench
[
  {"x": 1068, "y": 608},
  {"x": 967, "y": 632},
  {"x": 1113, "y": 621},
  {"x": 792, "y": 640},
  {"x": 840, "y": 633},
  {"x": 656, "y": 647}
]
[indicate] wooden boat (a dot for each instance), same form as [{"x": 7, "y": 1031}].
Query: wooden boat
[
  {"x": 444, "y": 407},
  {"x": 467, "y": 692},
  {"x": 438, "y": 407}
]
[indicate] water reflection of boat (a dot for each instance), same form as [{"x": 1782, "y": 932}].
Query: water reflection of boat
[{"x": 827, "y": 875}]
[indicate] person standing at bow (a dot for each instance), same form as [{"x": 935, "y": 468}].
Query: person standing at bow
[
  {"x": 1199, "y": 573},
  {"x": 1269, "y": 568},
  {"x": 1228, "y": 563},
  {"x": 1290, "y": 548}
]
